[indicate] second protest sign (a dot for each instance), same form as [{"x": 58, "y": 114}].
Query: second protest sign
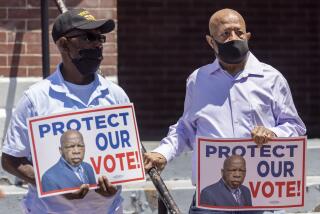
[{"x": 235, "y": 174}]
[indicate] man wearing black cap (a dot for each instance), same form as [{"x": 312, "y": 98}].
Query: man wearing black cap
[{"x": 74, "y": 84}]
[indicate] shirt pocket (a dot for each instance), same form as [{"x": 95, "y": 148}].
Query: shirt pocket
[{"x": 262, "y": 115}]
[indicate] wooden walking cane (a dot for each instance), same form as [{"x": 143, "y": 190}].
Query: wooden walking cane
[{"x": 162, "y": 189}]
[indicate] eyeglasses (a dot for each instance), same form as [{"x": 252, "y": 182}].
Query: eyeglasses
[{"x": 90, "y": 37}]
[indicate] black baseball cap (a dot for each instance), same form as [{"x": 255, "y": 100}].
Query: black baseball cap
[{"x": 79, "y": 19}]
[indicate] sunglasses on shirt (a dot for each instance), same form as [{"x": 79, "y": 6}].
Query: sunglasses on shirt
[{"x": 90, "y": 37}]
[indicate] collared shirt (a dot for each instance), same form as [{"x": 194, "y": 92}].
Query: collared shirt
[
  {"x": 82, "y": 91},
  {"x": 236, "y": 193},
  {"x": 233, "y": 191},
  {"x": 53, "y": 96},
  {"x": 78, "y": 171},
  {"x": 219, "y": 105}
]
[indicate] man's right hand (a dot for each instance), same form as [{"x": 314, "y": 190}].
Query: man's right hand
[
  {"x": 18, "y": 166},
  {"x": 154, "y": 159},
  {"x": 79, "y": 194}
]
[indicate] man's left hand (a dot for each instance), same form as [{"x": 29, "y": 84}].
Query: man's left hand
[
  {"x": 79, "y": 194},
  {"x": 106, "y": 189},
  {"x": 262, "y": 135}
]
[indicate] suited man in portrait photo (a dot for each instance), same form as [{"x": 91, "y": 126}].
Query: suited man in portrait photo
[
  {"x": 70, "y": 171},
  {"x": 228, "y": 191}
]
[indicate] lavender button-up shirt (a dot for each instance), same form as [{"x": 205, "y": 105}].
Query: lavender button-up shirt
[{"x": 219, "y": 105}]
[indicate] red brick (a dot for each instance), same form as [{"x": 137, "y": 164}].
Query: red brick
[
  {"x": 25, "y": 60},
  {"x": 13, "y": 71},
  {"x": 54, "y": 49},
  {"x": 111, "y": 37},
  {"x": 31, "y": 60},
  {"x": 53, "y": 13},
  {"x": 34, "y": 71},
  {"x": 104, "y": 14},
  {"x": 15, "y": 36},
  {"x": 85, "y": 4},
  {"x": 109, "y": 71},
  {"x": 37, "y": 49},
  {"x": 109, "y": 3},
  {"x": 25, "y": 16},
  {"x": 50, "y": 39},
  {"x": 12, "y": 48},
  {"x": 3, "y": 60},
  {"x": 109, "y": 60},
  {"x": 109, "y": 48},
  {"x": 29, "y": 37},
  {"x": 3, "y": 14},
  {"x": 12, "y": 3},
  {"x": 3, "y": 36},
  {"x": 55, "y": 59},
  {"x": 33, "y": 25},
  {"x": 37, "y": 3},
  {"x": 23, "y": 13},
  {"x": 37, "y": 71},
  {"x": 30, "y": 13},
  {"x": 70, "y": 3},
  {"x": 12, "y": 25}
]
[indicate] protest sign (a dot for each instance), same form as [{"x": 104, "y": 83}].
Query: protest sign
[
  {"x": 111, "y": 147},
  {"x": 270, "y": 177}
]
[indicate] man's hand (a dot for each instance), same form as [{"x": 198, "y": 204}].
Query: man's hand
[
  {"x": 79, "y": 194},
  {"x": 18, "y": 166},
  {"x": 1, "y": 194},
  {"x": 154, "y": 159},
  {"x": 106, "y": 189},
  {"x": 262, "y": 135}
]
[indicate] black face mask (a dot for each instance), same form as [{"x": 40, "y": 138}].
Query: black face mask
[
  {"x": 233, "y": 52},
  {"x": 89, "y": 60}
]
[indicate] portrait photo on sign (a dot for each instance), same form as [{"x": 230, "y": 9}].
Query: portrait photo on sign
[
  {"x": 71, "y": 170},
  {"x": 236, "y": 174},
  {"x": 70, "y": 149}
]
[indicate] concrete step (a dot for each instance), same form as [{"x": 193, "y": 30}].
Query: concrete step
[{"x": 13, "y": 88}]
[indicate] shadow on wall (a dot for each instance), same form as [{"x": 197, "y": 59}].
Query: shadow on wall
[{"x": 13, "y": 81}]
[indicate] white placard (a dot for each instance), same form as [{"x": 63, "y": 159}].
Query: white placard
[
  {"x": 112, "y": 144},
  {"x": 274, "y": 179}
]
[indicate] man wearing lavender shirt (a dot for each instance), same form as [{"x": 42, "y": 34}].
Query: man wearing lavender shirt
[{"x": 236, "y": 96}]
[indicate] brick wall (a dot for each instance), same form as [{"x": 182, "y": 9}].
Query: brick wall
[
  {"x": 20, "y": 35},
  {"x": 162, "y": 41}
]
